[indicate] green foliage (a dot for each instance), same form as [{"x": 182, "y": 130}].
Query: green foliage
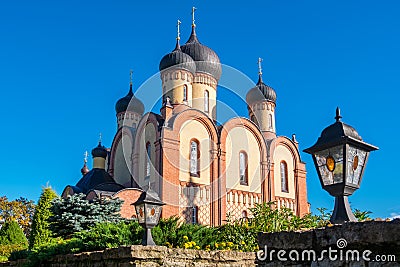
[
  {"x": 362, "y": 215},
  {"x": 12, "y": 240},
  {"x": 12, "y": 234},
  {"x": 55, "y": 246},
  {"x": 110, "y": 235},
  {"x": 20, "y": 210},
  {"x": 41, "y": 233},
  {"x": 75, "y": 213},
  {"x": 7, "y": 250}
]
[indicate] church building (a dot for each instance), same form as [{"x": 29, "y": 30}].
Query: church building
[{"x": 204, "y": 171}]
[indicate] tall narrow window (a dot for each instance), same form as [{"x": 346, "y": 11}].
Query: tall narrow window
[
  {"x": 243, "y": 168},
  {"x": 185, "y": 92},
  {"x": 206, "y": 101},
  {"x": 148, "y": 160},
  {"x": 270, "y": 122},
  {"x": 195, "y": 211},
  {"x": 284, "y": 177},
  {"x": 194, "y": 158}
]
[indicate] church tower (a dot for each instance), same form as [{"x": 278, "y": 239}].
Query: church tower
[
  {"x": 177, "y": 73},
  {"x": 129, "y": 109},
  {"x": 190, "y": 75},
  {"x": 261, "y": 102}
]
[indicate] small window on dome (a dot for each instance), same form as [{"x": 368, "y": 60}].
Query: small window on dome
[
  {"x": 185, "y": 92},
  {"x": 206, "y": 101}
]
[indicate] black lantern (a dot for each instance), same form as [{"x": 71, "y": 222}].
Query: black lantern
[
  {"x": 340, "y": 156},
  {"x": 148, "y": 210}
]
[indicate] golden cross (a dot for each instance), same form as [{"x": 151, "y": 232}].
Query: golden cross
[
  {"x": 193, "y": 10},
  {"x": 130, "y": 76},
  {"x": 178, "y": 37},
  {"x": 259, "y": 66}
]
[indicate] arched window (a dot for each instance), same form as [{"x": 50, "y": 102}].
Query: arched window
[
  {"x": 271, "y": 126},
  {"x": 194, "y": 158},
  {"x": 243, "y": 172},
  {"x": 148, "y": 160},
  {"x": 284, "y": 177},
  {"x": 206, "y": 101},
  {"x": 185, "y": 92},
  {"x": 195, "y": 211},
  {"x": 244, "y": 214}
]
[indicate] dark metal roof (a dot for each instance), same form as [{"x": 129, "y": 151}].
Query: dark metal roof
[
  {"x": 98, "y": 179},
  {"x": 261, "y": 92},
  {"x": 177, "y": 59},
  {"x": 207, "y": 61},
  {"x": 339, "y": 133},
  {"x": 129, "y": 103}
]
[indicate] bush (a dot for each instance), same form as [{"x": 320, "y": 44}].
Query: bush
[
  {"x": 41, "y": 233},
  {"x": 12, "y": 234},
  {"x": 110, "y": 235},
  {"x": 75, "y": 213}
]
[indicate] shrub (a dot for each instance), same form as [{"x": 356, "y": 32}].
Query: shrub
[
  {"x": 41, "y": 233},
  {"x": 12, "y": 239},
  {"x": 75, "y": 213},
  {"x": 12, "y": 234},
  {"x": 110, "y": 235}
]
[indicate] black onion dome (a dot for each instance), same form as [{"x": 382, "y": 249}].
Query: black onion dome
[
  {"x": 99, "y": 151},
  {"x": 207, "y": 61},
  {"x": 261, "y": 92},
  {"x": 178, "y": 59},
  {"x": 129, "y": 103}
]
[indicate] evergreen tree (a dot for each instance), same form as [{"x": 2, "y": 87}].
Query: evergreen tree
[
  {"x": 75, "y": 213},
  {"x": 41, "y": 233},
  {"x": 12, "y": 234}
]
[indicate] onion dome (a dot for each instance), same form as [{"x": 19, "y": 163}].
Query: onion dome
[
  {"x": 261, "y": 92},
  {"x": 84, "y": 169},
  {"x": 129, "y": 103},
  {"x": 177, "y": 59},
  {"x": 207, "y": 61},
  {"x": 100, "y": 151}
]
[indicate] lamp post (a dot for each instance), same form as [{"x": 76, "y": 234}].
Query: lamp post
[
  {"x": 148, "y": 210},
  {"x": 340, "y": 156}
]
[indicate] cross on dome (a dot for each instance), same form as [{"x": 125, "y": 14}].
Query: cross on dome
[{"x": 193, "y": 10}]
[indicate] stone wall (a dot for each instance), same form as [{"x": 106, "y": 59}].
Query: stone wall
[
  {"x": 368, "y": 239},
  {"x": 373, "y": 238},
  {"x": 150, "y": 257}
]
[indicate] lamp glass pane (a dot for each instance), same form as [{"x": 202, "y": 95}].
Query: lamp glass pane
[
  {"x": 152, "y": 213},
  {"x": 355, "y": 164},
  {"x": 334, "y": 175},
  {"x": 140, "y": 212}
]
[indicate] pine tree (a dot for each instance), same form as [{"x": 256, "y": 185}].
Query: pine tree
[
  {"x": 12, "y": 234},
  {"x": 75, "y": 213},
  {"x": 41, "y": 233}
]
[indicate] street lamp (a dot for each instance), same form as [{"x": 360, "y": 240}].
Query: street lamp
[
  {"x": 340, "y": 156},
  {"x": 148, "y": 210}
]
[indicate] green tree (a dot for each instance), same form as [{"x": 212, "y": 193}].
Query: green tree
[
  {"x": 41, "y": 233},
  {"x": 20, "y": 210},
  {"x": 12, "y": 234},
  {"x": 75, "y": 213}
]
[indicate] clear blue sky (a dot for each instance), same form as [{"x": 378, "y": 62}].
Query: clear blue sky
[{"x": 64, "y": 64}]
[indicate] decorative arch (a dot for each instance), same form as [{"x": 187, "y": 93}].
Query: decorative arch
[
  {"x": 155, "y": 120},
  {"x": 249, "y": 125},
  {"x": 117, "y": 139},
  {"x": 286, "y": 142}
]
